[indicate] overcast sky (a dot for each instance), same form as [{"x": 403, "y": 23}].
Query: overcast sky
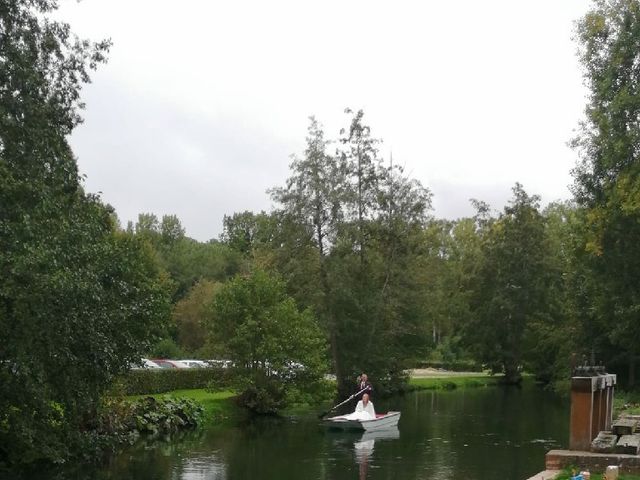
[{"x": 203, "y": 102}]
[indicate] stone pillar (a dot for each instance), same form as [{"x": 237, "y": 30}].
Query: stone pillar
[
  {"x": 598, "y": 409},
  {"x": 591, "y": 408},
  {"x": 610, "y": 382}
]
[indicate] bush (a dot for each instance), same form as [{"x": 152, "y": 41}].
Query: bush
[
  {"x": 166, "y": 348},
  {"x": 121, "y": 421},
  {"x": 146, "y": 382},
  {"x": 264, "y": 397}
]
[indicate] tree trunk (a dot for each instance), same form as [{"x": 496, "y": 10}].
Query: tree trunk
[
  {"x": 632, "y": 370},
  {"x": 512, "y": 375}
]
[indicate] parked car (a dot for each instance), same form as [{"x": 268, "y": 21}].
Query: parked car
[
  {"x": 165, "y": 363},
  {"x": 220, "y": 363},
  {"x": 144, "y": 363},
  {"x": 196, "y": 363}
]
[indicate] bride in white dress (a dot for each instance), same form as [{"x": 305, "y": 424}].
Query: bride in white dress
[{"x": 364, "y": 410}]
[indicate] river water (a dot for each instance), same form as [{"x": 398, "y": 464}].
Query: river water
[{"x": 472, "y": 434}]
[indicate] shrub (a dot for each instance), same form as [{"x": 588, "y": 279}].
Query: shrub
[
  {"x": 123, "y": 421},
  {"x": 146, "y": 382},
  {"x": 166, "y": 348}
]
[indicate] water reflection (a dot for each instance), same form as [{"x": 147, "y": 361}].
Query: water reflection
[
  {"x": 209, "y": 467},
  {"x": 475, "y": 434},
  {"x": 364, "y": 447}
]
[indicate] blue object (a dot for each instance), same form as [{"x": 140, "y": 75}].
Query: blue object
[{"x": 578, "y": 477}]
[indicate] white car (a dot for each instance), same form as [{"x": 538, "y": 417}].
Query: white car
[
  {"x": 144, "y": 363},
  {"x": 220, "y": 363},
  {"x": 196, "y": 363}
]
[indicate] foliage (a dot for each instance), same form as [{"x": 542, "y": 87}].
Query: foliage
[
  {"x": 626, "y": 403},
  {"x": 453, "y": 366},
  {"x": 272, "y": 344},
  {"x": 245, "y": 231},
  {"x": 451, "y": 383},
  {"x": 513, "y": 286},
  {"x": 607, "y": 179},
  {"x": 166, "y": 348},
  {"x": 123, "y": 421},
  {"x": 188, "y": 315},
  {"x": 150, "y": 381},
  {"x": 351, "y": 236},
  {"x": 186, "y": 260},
  {"x": 217, "y": 405},
  {"x": 79, "y": 300}
]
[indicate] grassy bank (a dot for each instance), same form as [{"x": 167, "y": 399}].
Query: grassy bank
[
  {"x": 217, "y": 405},
  {"x": 626, "y": 403},
  {"x": 453, "y": 382}
]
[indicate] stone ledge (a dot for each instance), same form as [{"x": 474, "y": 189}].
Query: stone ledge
[
  {"x": 546, "y": 475},
  {"x": 559, "y": 459}
]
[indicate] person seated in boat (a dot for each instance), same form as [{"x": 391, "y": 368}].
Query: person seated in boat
[
  {"x": 363, "y": 384},
  {"x": 365, "y": 405}
]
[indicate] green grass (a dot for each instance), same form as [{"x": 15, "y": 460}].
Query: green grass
[
  {"x": 451, "y": 383},
  {"x": 217, "y": 405},
  {"x": 567, "y": 473},
  {"x": 627, "y": 403}
]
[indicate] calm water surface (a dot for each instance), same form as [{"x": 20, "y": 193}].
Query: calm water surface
[{"x": 472, "y": 434}]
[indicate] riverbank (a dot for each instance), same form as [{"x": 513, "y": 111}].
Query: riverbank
[
  {"x": 440, "y": 373},
  {"x": 216, "y": 406},
  {"x": 219, "y": 406},
  {"x": 433, "y": 379}
]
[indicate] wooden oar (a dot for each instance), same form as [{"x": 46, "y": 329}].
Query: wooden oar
[{"x": 342, "y": 403}]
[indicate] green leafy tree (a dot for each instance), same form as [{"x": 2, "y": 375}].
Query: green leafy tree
[
  {"x": 552, "y": 339},
  {"x": 245, "y": 231},
  {"x": 185, "y": 260},
  {"x": 275, "y": 347},
  {"x": 348, "y": 231},
  {"x": 188, "y": 261},
  {"x": 512, "y": 286},
  {"x": 607, "y": 179},
  {"x": 79, "y": 300},
  {"x": 359, "y": 157},
  {"x": 190, "y": 312},
  {"x": 312, "y": 200},
  {"x": 171, "y": 230}
]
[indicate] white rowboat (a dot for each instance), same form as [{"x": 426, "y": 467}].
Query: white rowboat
[{"x": 384, "y": 420}]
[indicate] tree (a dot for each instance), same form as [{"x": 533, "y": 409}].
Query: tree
[
  {"x": 190, "y": 312},
  {"x": 171, "y": 230},
  {"x": 348, "y": 234},
  {"x": 359, "y": 158},
  {"x": 244, "y": 231},
  {"x": 313, "y": 199},
  {"x": 552, "y": 338},
  {"x": 607, "y": 178},
  {"x": 79, "y": 300},
  {"x": 512, "y": 286},
  {"x": 275, "y": 347}
]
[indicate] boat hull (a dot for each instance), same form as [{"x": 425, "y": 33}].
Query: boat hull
[{"x": 388, "y": 420}]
